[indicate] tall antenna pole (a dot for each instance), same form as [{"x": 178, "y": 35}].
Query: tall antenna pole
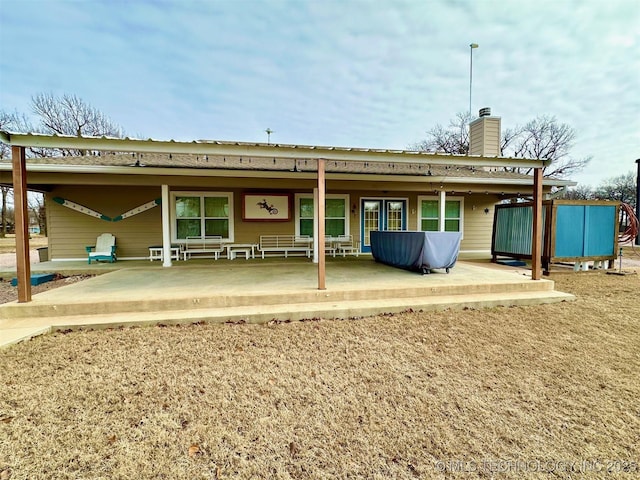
[
  {"x": 269, "y": 132},
  {"x": 471, "y": 47}
]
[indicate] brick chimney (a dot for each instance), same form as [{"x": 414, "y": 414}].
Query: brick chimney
[{"x": 484, "y": 135}]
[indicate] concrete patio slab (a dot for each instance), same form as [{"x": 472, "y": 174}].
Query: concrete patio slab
[{"x": 259, "y": 291}]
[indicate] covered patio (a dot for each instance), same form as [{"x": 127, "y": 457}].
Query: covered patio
[
  {"x": 317, "y": 157},
  {"x": 138, "y": 293}
]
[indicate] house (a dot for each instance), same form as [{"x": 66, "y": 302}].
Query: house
[{"x": 149, "y": 192}]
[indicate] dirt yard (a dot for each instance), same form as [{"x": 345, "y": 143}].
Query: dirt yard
[{"x": 527, "y": 392}]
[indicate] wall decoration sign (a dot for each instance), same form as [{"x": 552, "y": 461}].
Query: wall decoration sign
[
  {"x": 266, "y": 207},
  {"x": 92, "y": 213},
  {"x": 137, "y": 210},
  {"x": 80, "y": 208}
]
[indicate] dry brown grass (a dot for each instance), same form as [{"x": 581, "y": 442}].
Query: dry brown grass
[
  {"x": 381, "y": 397},
  {"x": 8, "y": 243}
]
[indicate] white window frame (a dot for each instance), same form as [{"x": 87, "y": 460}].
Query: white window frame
[
  {"x": 440, "y": 209},
  {"x": 202, "y": 195},
  {"x": 328, "y": 196}
]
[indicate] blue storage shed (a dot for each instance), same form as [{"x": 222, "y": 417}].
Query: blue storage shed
[{"x": 574, "y": 231}]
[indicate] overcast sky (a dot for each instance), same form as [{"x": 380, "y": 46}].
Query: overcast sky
[{"x": 370, "y": 73}]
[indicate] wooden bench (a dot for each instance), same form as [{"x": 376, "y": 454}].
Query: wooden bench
[
  {"x": 285, "y": 243},
  {"x": 330, "y": 246},
  {"x": 204, "y": 247},
  {"x": 156, "y": 252},
  {"x": 345, "y": 244}
]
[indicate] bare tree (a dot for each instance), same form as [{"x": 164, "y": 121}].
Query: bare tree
[
  {"x": 542, "y": 137},
  {"x": 621, "y": 188},
  {"x": 8, "y": 121},
  {"x": 38, "y": 212},
  {"x": 545, "y": 138},
  {"x": 581, "y": 192},
  {"x": 70, "y": 115},
  {"x": 7, "y": 211},
  {"x": 65, "y": 115},
  {"x": 452, "y": 139}
]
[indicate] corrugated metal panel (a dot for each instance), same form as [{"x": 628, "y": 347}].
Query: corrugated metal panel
[
  {"x": 580, "y": 230},
  {"x": 569, "y": 231},
  {"x": 601, "y": 231},
  {"x": 585, "y": 230},
  {"x": 513, "y": 230}
]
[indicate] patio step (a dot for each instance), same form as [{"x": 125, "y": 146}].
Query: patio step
[
  {"x": 194, "y": 300},
  {"x": 20, "y": 329}
]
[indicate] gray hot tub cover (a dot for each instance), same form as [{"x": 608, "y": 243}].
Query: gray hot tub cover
[{"x": 419, "y": 251}]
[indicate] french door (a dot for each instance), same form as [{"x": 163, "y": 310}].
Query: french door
[{"x": 381, "y": 214}]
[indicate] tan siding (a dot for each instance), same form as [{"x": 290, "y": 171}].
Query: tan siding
[
  {"x": 71, "y": 231},
  {"x": 484, "y": 137},
  {"x": 476, "y": 138},
  {"x": 478, "y": 225}
]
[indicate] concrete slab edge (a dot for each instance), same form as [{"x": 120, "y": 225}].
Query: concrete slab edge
[
  {"x": 280, "y": 313},
  {"x": 12, "y": 336}
]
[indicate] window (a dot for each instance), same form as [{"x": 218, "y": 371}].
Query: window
[
  {"x": 429, "y": 217},
  {"x": 305, "y": 224},
  {"x": 336, "y": 215},
  {"x": 429, "y": 211},
  {"x": 452, "y": 216},
  {"x": 199, "y": 214}
]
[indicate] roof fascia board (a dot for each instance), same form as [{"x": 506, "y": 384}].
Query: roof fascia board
[
  {"x": 188, "y": 172},
  {"x": 260, "y": 150}
]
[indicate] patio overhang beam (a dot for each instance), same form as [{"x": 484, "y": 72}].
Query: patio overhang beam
[
  {"x": 300, "y": 152},
  {"x": 283, "y": 174}
]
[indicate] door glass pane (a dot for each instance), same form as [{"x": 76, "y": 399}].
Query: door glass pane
[
  {"x": 216, "y": 207},
  {"x": 188, "y": 228},
  {"x": 394, "y": 216},
  {"x": 371, "y": 219},
  {"x": 187, "y": 207}
]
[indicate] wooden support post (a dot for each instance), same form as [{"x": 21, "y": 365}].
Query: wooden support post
[
  {"x": 536, "y": 240},
  {"x": 321, "y": 226},
  {"x": 166, "y": 227},
  {"x": 19, "y": 166},
  {"x": 315, "y": 226}
]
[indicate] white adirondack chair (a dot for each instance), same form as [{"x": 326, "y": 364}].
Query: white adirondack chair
[{"x": 104, "y": 249}]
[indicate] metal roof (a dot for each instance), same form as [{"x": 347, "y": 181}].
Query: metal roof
[{"x": 260, "y": 150}]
